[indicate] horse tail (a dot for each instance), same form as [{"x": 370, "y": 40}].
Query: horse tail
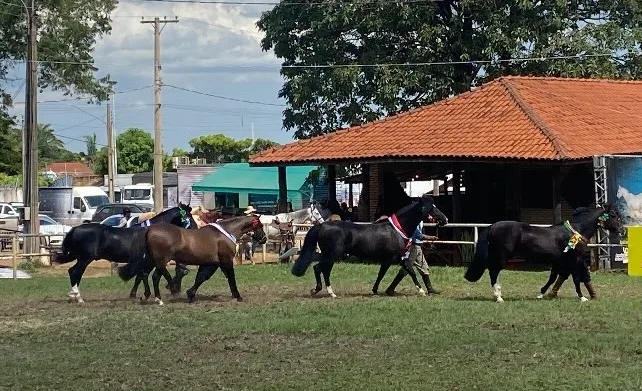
[
  {"x": 307, "y": 251},
  {"x": 139, "y": 257},
  {"x": 479, "y": 264},
  {"x": 65, "y": 255}
]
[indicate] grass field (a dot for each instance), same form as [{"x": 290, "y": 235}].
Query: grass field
[{"x": 282, "y": 339}]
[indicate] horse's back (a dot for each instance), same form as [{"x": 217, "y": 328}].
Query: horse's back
[{"x": 360, "y": 240}]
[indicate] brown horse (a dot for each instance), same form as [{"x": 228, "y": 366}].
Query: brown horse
[{"x": 210, "y": 247}]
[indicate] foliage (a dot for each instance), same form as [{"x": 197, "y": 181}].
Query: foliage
[
  {"x": 16, "y": 180},
  {"x": 90, "y": 156},
  {"x": 135, "y": 149},
  {"x": 322, "y": 100},
  {"x": 11, "y": 141},
  {"x": 67, "y": 33},
  {"x": 459, "y": 340},
  {"x": 51, "y": 148},
  {"x": 222, "y": 149}
]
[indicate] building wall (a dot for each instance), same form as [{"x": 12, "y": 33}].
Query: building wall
[{"x": 187, "y": 176}]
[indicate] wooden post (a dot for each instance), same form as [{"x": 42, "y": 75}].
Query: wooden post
[
  {"x": 282, "y": 206},
  {"x": 456, "y": 195},
  {"x": 364, "y": 197},
  {"x": 15, "y": 244},
  {"x": 557, "y": 198},
  {"x": 350, "y": 196},
  {"x": 332, "y": 182}
]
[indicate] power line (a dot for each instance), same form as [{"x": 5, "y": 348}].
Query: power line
[
  {"x": 224, "y": 97},
  {"x": 87, "y": 97}
]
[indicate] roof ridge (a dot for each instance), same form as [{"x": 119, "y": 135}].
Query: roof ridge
[
  {"x": 570, "y": 79},
  {"x": 551, "y": 135}
]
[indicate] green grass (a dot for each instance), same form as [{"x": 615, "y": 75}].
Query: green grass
[{"x": 282, "y": 339}]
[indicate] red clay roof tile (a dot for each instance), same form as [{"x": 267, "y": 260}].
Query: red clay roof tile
[{"x": 510, "y": 117}]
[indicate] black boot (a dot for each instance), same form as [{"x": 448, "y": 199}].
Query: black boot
[
  {"x": 429, "y": 289},
  {"x": 393, "y": 285}
]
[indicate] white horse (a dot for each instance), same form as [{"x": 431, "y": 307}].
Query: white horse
[
  {"x": 300, "y": 216},
  {"x": 633, "y": 201}
]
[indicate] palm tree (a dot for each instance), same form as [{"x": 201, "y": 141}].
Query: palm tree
[{"x": 90, "y": 157}]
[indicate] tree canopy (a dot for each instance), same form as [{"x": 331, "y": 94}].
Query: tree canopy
[
  {"x": 67, "y": 33},
  {"x": 448, "y": 34},
  {"x": 222, "y": 149}
]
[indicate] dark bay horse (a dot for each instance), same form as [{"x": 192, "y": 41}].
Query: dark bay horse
[
  {"x": 384, "y": 241},
  {"x": 563, "y": 244},
  {"x": 210, "y": 247},
  {"x": 89, "y": 242}
]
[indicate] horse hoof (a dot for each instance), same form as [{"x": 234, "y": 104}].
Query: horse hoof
[
  {"x": 133, "y": 296},
  {"x": 583, "y": 299},
  {"x": 375, "y": 292},
  {"x": 314, "y": 291},
  {"x": 239, "y": 299},
  {"x": 390, "y": 293},
  {"x": 540, "y": 296},
  {"x": 422, "y": 292},
  {"x": 80, "y": 300},
  {"x": 159, "y": 301},
  {"x": 500, "y": 300}
]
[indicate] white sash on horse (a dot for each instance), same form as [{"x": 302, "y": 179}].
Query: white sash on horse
[{"x": 224, "y": 232}]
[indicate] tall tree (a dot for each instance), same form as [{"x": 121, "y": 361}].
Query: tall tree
[
  {"x": 135, "y": 148},
  {"x": 51, "y": 148},
  {"x": 11, "y": 142},
  {"x": 322, "y": 100},
  {"x": 89, "y": 157},
  {"x": 67, "y": 33}
]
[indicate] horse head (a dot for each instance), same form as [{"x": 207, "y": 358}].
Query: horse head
[
  {"x": 185, "y": 216},
  {"x": 620, "y": 191},
  {"x": 429, "y": 209},
  {"x": 611, "y": 220},
  {"x": 314, "y": 215}
]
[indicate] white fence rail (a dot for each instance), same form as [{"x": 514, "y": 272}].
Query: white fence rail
[{"x": 475, "y": 227}]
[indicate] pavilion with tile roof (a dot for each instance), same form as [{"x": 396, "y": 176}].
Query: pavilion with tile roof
[{"x": 522, "y": 147}]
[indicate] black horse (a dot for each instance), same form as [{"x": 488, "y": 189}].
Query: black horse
[
  {"x": 385, "y": 241},
  {"x": 89, "y": 242},
  {"x": 562, "y": 244}
]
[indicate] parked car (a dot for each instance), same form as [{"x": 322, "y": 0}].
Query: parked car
[
  {"x": 107, "y": 210},
  {"x": 7, "y": 210},
  {"x": 49, "y": 226},
  {"x": 113, "y": 220}
]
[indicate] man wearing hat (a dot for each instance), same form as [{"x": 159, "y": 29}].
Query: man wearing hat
[{"x": 250, "y": 211}]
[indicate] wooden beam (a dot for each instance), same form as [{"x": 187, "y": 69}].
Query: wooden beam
[
  {"x": 282, "y": 206},
  {"x": 332, "y": 182},
  {"x": 557, "y": 198},
  {"x": 364, "y": 197}
]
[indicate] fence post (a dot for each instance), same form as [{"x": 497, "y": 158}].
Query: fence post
[
  {"x": 475, "y": 237},
  {"x": 15, "y": 244}
]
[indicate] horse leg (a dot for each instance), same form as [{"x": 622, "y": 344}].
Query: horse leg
[
  {"x": 382, "y": 272},
  {"x": 578, "y": 288},
  {"x": 181, "y": 271},
  {"x": 156, "y": 281},
  {"x": 327, "y": 269},
  {"x": 204, "y": 273},
  {"x": 494, "y": 281},
  {"x": 551, "y": 280},
  {"x": 228, "y": 270},
  {"x": 393, "y": 285},
  {"x": 317, "y": 276},
  {"x": 75, "y": 275},
  {"x": 140, "y": 277}
]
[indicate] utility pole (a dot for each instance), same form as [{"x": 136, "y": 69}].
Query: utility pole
[
  {"x": 158, "y": 136},
  {"x": 30, "y": 138},
  {"x": 110, "y": 156}
]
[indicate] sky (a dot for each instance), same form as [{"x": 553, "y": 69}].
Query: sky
[{"x": 214, "y": 49}]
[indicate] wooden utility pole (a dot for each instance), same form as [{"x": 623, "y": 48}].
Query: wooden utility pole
[
  {"x": 110, "y": 156},
  {"x": 30, "y": 147},
  {"x": 158, "y": 137}
]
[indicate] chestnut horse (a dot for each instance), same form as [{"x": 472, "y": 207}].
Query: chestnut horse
[{"x": 213, "y": 246}]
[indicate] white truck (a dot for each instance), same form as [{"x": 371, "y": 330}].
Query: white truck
[
  {"x": 71, "y": 205},
  {"x": 141, "y": 193}
]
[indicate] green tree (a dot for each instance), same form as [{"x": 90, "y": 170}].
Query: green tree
[
  {"x": 51, "y": 148},
  {"x": 89, "y": 157},
  {"x": 322, "y": 100},
  {"x": 67, "y": 33},
  {"x": 135, "y": 148},
  {"x": 222, "y": 149},
  {"x": 11, "y": 141}
]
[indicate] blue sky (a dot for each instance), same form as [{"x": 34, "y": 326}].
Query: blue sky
[{"x": 214, "y": 49}]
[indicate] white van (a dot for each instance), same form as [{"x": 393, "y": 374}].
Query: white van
[
  {"x": 141, "y": 193},
  {"x": 71, "y": 205}
]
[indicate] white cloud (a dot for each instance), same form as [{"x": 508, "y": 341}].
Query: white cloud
[{"x": 209, "y": 39}]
